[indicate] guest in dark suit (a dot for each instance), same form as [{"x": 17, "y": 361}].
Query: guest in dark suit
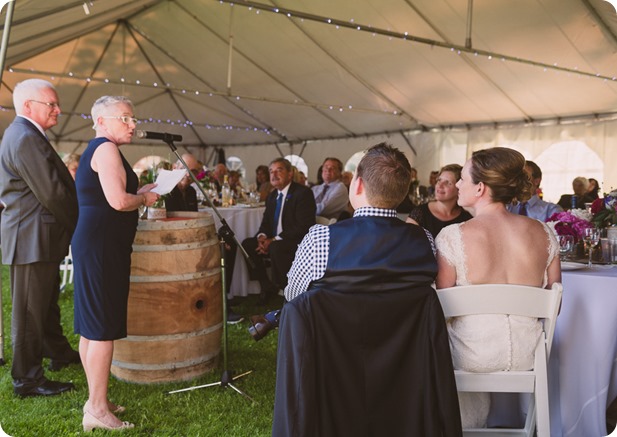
[
  {"x": 279, "y": 237},
  {"x": 37, "y": 225}
]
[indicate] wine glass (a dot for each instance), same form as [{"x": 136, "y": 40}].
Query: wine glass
[
  {"x": 566, "y": 243},
  {"x": 592, "y": 238}
]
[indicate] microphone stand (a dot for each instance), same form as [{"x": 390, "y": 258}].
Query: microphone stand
[{"x": 226, "y": 236}]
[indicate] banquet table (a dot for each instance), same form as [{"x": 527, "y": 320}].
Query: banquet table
[
  {"x": 244, "y": 222},
  {"x": 583, "y": 363}
]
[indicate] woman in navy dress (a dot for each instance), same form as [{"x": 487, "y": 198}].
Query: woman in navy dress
[{"x": 102, "y": 245}]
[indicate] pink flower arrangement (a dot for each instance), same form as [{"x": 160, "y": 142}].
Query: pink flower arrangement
[
  {"x": 205, "y": 177},
  {"x": 573, "y": 222}
]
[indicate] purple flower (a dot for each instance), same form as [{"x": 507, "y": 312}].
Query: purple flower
[{"x": 566, "y": 223}]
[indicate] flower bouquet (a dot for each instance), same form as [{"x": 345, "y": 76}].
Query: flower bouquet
[
  {"x": 573, "y": 222},
  {"x": 604, "y": 210}
]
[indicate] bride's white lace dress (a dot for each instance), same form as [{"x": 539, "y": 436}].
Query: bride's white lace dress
[{"x": 487, "y": 343}]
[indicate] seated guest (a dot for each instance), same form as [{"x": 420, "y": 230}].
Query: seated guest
[
  {"x": 363, "y": 348},
  {"x": 220, "y": 170},
  {"x": 580, "y": 185},
  {"x": 594, "y": 188},
  {"x": 290, "y": 212},
  {"x": 184, "y": 197},
  {"x": 494, "y": 247},
  {"x": 429, "y": 191},
  {"x": 331, "y": 197},
  {"x": 535, "y": 207},
  {"x": 443, "y": 211},
  {"x": 72, "y": 162},
  {"x": 262, "y": 179},
  {"x": 234, "y": 183},
  {"x": 301, "y": 178},
  {"x": 346, "y": 178}
]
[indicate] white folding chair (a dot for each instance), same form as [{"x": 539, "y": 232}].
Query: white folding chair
[
  {"x": 66, "y": 270},
  {"x": 324, "y": 220},
  {"x": 514, "y": 300}
]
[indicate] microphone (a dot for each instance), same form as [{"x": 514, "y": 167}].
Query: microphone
[{"x": 157, "y": 135}]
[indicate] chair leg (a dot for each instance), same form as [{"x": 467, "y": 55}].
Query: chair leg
[{"x": 543, "y": 424}]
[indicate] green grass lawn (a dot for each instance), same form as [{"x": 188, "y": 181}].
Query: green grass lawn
[{"x": 211, "y": 411}]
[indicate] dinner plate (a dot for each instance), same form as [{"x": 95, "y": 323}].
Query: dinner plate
[{"x": 565, "y": 266}]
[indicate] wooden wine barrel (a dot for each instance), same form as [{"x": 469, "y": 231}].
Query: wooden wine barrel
[{"x": 175, "y": 312}]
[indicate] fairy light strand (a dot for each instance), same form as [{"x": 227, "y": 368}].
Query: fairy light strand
[
  {"x": 208, "y": 93},
  {"x": 459, "y": 49}
]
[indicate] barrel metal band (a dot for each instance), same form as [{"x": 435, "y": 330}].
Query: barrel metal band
[
  {"x": 175, "y": 278},
  {"x": 164, "y": 337},
  {"x": 173, "y": 247},
  {"x": 167, "y": 366}
]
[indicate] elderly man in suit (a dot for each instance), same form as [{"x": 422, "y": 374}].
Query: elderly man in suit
[
  {"x": 331, "y": 197},
  {"x": 290, "y": 212},
  {"x": 37, "y": 224}
]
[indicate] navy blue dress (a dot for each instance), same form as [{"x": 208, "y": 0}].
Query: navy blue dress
[{"x": 101, "y": 246}]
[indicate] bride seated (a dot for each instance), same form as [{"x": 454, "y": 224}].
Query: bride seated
[{"x": 494, "y": 247}]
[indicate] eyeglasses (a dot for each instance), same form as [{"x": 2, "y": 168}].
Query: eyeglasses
[
  {"x": 52, "y": 105},
  {"x": 125, "y": 118}
]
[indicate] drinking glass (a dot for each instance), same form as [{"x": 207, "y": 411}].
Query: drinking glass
[
  {"x": 592, "y": 238},
  {"x": 566, "y": 243}
]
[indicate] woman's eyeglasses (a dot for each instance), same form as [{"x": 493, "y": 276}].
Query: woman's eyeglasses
[{"x": 125, "y": 118}]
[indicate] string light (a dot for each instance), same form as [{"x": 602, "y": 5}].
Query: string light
[
  {"x": 139, "y": 83},
  {"x": 406, "y": 37}
]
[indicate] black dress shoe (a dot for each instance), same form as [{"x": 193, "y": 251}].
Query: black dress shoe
[
  {"x": 55, "y": 365},
  {"x": 260, "y": 326},
  {"x": 48, "y": 388}
]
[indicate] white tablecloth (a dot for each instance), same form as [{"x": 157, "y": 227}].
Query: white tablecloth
[
  {"x": 244, "y": 222},
  {"x": 583, "y": 362}
]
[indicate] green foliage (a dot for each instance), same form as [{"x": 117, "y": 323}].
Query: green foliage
[{"x": 205, "y": 412}]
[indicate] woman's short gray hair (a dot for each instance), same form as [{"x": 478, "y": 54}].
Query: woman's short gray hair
[{"x": 103, "y": 103}]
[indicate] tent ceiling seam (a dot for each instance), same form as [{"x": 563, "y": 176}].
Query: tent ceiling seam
[
  {"x": 199, "y": 78},
  {"x": 466, "y": 58},
  {"x": 158, "y": 74},
  {"x": 349, "y": 71},
  {"x": 601, "y": 22},
  {"x": 85, "y": 87},
  {"x": 44, "y": 35}
]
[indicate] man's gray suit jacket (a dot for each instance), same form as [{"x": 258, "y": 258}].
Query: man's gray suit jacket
[{"x": 39, "y": 193}]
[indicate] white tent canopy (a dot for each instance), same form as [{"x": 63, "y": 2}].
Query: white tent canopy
[{"x": 437, "y": 78}]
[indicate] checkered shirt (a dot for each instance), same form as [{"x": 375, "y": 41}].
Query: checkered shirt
[{"x": 312, "y": 254}]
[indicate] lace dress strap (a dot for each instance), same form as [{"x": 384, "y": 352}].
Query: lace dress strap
[
  {"x": 553, "y": 251},
  {"x": 450, "y": 245}
]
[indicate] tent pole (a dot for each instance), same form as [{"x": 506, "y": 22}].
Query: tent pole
[
  {"x": 5, "y": 36},
  {"x": 469, "y": 17}
]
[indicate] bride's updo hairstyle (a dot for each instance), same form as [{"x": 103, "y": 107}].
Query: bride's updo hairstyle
[{"x": 503, "y": 171}]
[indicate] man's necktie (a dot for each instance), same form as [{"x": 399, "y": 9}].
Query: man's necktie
[
  {"x": 523, "y": 209},
  {"x": 321, "y": 195},
  {"x": 277, "y": 213}
]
